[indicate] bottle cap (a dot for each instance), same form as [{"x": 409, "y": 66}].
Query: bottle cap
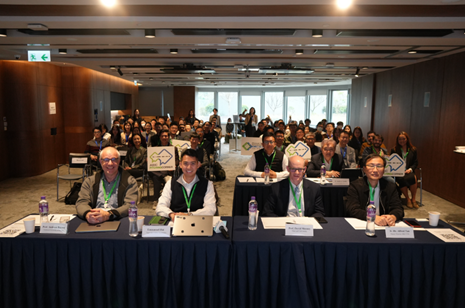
[
  {"x": 252, "y": 198},
  {"x": 43, "y": 197},
  {"x": 133, "y": 202}
]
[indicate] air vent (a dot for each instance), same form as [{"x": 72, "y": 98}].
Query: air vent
[{"x": 235, "y": 32}]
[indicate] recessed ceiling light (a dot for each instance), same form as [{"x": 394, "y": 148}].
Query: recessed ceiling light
[
  {"x": 343, "y": 4},
  {"x": 173, "y": 51},
  {"x": 62, "y": 51},
  {"x": 412, "y": 51},
  {"x": 150, "y": 33},
  {"x": 108, "y": 3},
  {"x": 299, "y": 52},
  {"x": 317, "y": 33},
  {"x": 3, "y": 33}
]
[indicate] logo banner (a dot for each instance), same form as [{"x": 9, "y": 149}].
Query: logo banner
[
  {"x": 395, "y": 166},
  {"x": 250, "y": 145},
  {"x": 299, "y": 148},
  {"x": 161, "y": 158}
]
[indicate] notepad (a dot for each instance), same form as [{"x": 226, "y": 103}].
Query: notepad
[
  {"x": 280, "y": 222},
  {"x": 359, "y": 224}
]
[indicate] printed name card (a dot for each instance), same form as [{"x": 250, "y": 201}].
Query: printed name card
[
  {"x": 298, "y": 230},
  {"x": 54, "y": 228},
  {"x": 79, "y": 160},
  {"x": 399, "y": 232},
  {"x": 123, "y": 153},
  {"x": 156, "y": 231},
  {"x": 344, "y": 182}
]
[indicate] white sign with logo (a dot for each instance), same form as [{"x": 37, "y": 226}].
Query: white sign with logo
[
  {"x": 299, "y": 148},
  {"x": 395, "y": 165},
  {"x": 161, "y": 158},
  {"x": 181, "y": 145},
  {"x": 250, "y": 145}
]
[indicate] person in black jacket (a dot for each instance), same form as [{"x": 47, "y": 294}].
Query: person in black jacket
[
  {"x": 329, "y": 157},
  {"x": 373, "y": 187}
]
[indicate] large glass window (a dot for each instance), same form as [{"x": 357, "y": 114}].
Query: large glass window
[
  {"x": 205, "y": 104},
  {"x": 274, "y": 105},
  {"x": 339, "y": 106},
  {"x": 227, "y": 105},
  {"x": 296, "y": 108},
  {"x": 249, "y": 101},
  {"x": 317, "y": 108}
]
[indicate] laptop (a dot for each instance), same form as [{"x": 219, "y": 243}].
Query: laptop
[
  {"x": 351, "y": 173},
  {"x": 193, "y": 226},
  {"x": 236, "y": 119},
  {"x": 107, "y": 226}
]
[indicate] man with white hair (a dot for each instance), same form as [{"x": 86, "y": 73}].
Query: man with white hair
[{"x": 107, "y": 194}]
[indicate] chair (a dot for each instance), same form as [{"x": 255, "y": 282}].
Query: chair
[
  {"x": 76, "y": 161},
  {"x": 145, "y": 179}
]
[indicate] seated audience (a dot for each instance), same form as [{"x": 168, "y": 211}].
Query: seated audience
[
  {"x": 201, "y": 153},
  {"x": 190, "y": 119},
  {"x": 115, "y": 139},
  {"x": 107, "y": 194},
  {"x": 275, "y": 159},
  {"x": 212, "y": 136},
  {"x": 357, "y": 140},
  {"x": 96, "y": 145},
  {"x": 127, "y": 133},
  {"x": 374, "y": 187},
  {"x": 174, "y": 127},
  {"x": 260, "y": 130},
  {"x": 148, "y": 133},
  {"x": 347, "y": 153},
  {"x": 135, "y": 161},
  {"x": 329, "y": 131},
  {"x": 229, "y": 131},
  {"x": 136, "y": 131},
  {"x": 348, "y": 129},
  {"x": 294, "y": 197},
  {"x": 310, "y": 140},
  {"x": 300, "y": 135},
  {"x": 105, "y": 134},
  {"x": 188, "y": 194},
  {"x": 375, "y": 148},
  {"x": 336, "y": 134},
  {"x": 333, "y": 161},
  {"x": 215, "y": 116},
  {"x": 405, "y": 149},
  {"x": 291, "y": 138},
  {"x": 280, "y": 144},
  {"x": 204, "y": 143}
]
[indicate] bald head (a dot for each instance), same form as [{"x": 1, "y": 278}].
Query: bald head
[
  {"x": 109, "y": 151},
  {"x": 296, "y": 162},
  {"x": 296, "y": 169}
]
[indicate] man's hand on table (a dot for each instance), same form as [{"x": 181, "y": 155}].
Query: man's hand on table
[{"x": 97, "y": 216}]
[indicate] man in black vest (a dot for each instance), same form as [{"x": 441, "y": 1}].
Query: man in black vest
[
  {"x": 189, "y": 194},
  {"x": 269, "y": 154}
]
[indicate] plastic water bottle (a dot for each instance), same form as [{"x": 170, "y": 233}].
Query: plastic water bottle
[
  {"x": 43, "y": 209},
  {"x": 371, "y": 216},
  {"x": 323, "y": 173},
  {"x": 132, "y": 213},
  {"x": 253, "y": 206},
  {"x": 267, "y": 174}
]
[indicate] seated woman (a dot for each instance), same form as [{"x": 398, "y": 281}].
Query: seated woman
[
  {"x": 136, "y": 131},
  {"x": 127, "y": 133},
  {"x": 115, "y": 138},
  {"x": 357, "y": 140},
  {"x": 229, "y": 131},
  {"x": 136, "y": 158},
  {"x": 373, "y": 187},
  {"x": 408, "y": 152}
]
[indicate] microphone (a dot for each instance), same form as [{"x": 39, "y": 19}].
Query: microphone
[
  {"x": 224, "y": 232},
  {"x": 221, "y": 227}
]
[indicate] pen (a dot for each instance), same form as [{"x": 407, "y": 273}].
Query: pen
[{"x": 51, "y": 218}]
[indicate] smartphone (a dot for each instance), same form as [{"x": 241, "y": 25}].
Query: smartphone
[
  {"x": 412, "y": 222},
  {"x": 159, "y": 220},
  {"x": 321, "y": 220}
]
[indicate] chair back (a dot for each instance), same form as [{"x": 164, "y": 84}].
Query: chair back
[{"x": 78, "y": 160}]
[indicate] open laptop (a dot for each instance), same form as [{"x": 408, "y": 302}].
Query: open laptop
[
  {"x": 107, "y": 226},
  {"x": 193, "y": 226},
  {"x": 236, "y": 119},
  {"x": 351, "y": 173}
]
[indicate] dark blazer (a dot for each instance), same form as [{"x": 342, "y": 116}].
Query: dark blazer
[
  {"x": 277, "y": 203},
  {"x": 313, "y": 170}
]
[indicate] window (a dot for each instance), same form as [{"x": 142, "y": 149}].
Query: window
[
  {"x": 249, "y": 101},
  {"x": 317, "y": 108},
  {"x": 227, "y": 105},
  {"x": 204, "y": 106},
  {"x": 274, "y": 105},
  {"x": 339, "y": 105},
  {"x": 296, "y": 108}
]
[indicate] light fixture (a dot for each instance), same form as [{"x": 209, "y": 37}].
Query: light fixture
[
  {"x": 112, "y": 67},
  {"x": 364, "y": 68},
  {"x": 149, "y": 33},
  {"x": 119, "y": 71},
  {"x": 174, "y": 51},
  {"x": 343, "y": 4},
  {"x": 3, "y": 33},
  {"x": 412, "y": 51},
  {"x": 356, "y": 72},
  {"x": 108, "y": 3},
  {"x": 317, "y": 33},
  {"x": 299, "y": 52},
  {"x": 62, "y": 51}
]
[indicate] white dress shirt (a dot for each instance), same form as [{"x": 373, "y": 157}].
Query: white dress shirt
[{"x": 293, "y": 210}]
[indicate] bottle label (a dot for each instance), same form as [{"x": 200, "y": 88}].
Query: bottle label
[
  {"x": 267, "y": 169},
  {"x": 371, "y": 212},
  {"x": 132, "y": 213},
  {"x": 43, "y": 208},
  {"x": 252, "y": 207}
]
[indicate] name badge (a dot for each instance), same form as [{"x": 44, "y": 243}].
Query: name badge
[
  {"x": 54, "y": 228},
  {"x": 156, "y": 231},
  {"x": 399, "y": 232},
  {"x": 299, "y": 230},
  {"x": 343, "y": 182}
]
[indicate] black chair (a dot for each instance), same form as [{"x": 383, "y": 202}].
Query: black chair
[{"x": 76, "y": 161}]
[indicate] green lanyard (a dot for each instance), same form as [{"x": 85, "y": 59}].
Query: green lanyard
[
  {"x": 111, "y": 191},
  {"x": 405, "y": 156},
  {"x": 372, "y": 192},
  {"x": 271, "y": 159},
  {"x": 298, "y": 203},
  {"x": 188, "y": 201},
  {"x": 202, "y": 143},
  {"x": 374, "y": 151},
  {"x": 331, "y": 164}
]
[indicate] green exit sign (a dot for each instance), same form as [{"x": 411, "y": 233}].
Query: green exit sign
[{"x": 38, "y": 55}]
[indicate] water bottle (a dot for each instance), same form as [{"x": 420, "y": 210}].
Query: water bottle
[
  {"x": 253, "y": 206},
  {"x": 267, "y": 174},
  {"x": 323, "y": 173},
  {"x": 43, "y": 209},
  {"x": 371, "y": 216},
  {"x": 132, "y": 213}
]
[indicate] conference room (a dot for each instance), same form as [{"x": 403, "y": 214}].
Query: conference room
[{"x": 67, "y": 67}]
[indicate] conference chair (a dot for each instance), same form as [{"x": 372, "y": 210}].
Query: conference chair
[
  {"x": 145, "y": 181},
  {"x": 76, "y": 161}
]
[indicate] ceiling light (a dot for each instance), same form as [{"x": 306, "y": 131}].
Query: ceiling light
[
  {"x": 149, "y": 33},
  {"x": 412, "y": 51},
  {"x": 299, "y": 52},
  {"x": 62, "y": 51},
  {"x": 119, "y": 71},
  {"x": 3, "y": 33},
  {"x": 343, "y": 4},
  {"x": 317, "y": 33},
  {"x": 112, "y": 67},
  {"x": 364, "y": 68},
  {"x": 233, "y": 40},
  {"x": 173, "y": 51},
  {"x": 108, "y": 3},
  {"x": 356, "y": 72},
  {"x": 37, "y": 27}
]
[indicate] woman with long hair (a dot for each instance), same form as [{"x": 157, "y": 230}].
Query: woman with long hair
[
  {"x": 191, "y": 117},
  {"x": 127, "y": 133},
  {"x": 357, "y": 140},
  {"x": 251, "y": 121},
  {"x": 115, "y": 138}
]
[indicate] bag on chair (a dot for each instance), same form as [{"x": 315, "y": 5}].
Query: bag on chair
[{"x": 73, "y": 194}]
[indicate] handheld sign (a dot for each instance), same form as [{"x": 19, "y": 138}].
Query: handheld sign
[
  {"x": 181, "y": 145},
  {"x": 250, "y": 145},
  {"x": 161, "y": 158},
  {"x": 395, "y": 166},
  {"x": 299, "y": 148}
]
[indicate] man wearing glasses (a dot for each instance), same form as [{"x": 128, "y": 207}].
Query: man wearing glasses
[
  {"x": 333, "y": 161},
  {"x": 373, "y": 187},
  {"x": 107, "y": 194},
  {"x": 269, "y": 154},
  {"x": 294, "y": 197},
  {"x": 95, "y": 145}
]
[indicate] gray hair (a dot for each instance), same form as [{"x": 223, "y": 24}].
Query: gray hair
[
  {"x": 117, "y": 152},
  {"x": 325, "y": 141}
]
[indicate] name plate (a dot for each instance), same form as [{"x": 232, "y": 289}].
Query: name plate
[
  {"x": 344, "y": 182},
  {"x": 299, "y": 230},
  {"x": 156, "y": 231},
  {"x": 123, "y": 153},
  {"x": 79, "y": 160},
  {"x": 399, "y": 232},
  {"x": 54, "y": 228}
]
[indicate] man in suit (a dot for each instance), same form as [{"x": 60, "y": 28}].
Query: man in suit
[
  {"x": 293, "y": 196},
  {"x": 347, "y": 152},
  {"x": 332, "y": 161}
]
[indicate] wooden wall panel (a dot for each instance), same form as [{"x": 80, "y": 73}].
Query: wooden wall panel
[
  {"x": 184, "y": 100},
  {"x": 4, "y": 170},
  {"x": 359, "y": 114}
]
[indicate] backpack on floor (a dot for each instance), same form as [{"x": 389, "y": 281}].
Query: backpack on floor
[{"x": 73, "y": 194}]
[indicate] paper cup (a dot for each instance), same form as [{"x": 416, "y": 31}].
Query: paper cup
[
  {"x": 29, "y": 225},
  {"x": 434, "y": 218},
  {"x": 140, "y": 223}
]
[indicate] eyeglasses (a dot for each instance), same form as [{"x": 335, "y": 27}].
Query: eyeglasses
[
  {"x": 107, "y": 160},
  {"x": 268, "y": 142},
  {"x": 297, "y": 169},
  {"x": 371, "y": 166}
]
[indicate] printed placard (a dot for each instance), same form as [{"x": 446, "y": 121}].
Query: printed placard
[
  {"x": 161, "y": 158},
  {"x": 342, "y": 182},
  {"x": 249, "y": 145},
  {"x": 156, "y": 231},
  {"x": 299, "y": 230},
  {"x": 79, "y": 160},
  {"x": 299, "y": 148},
  {"x": 395, "y": 165},
  {"x": 181, "y": 145},
  {"x": 54, "y": 228},
  {"x": 399, "y": 232}
]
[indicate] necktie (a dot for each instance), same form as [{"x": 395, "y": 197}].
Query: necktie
[{"x": 297, "y": 195}]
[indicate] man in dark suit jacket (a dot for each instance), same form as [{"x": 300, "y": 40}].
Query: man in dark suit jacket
[
  {"x": 332, "y": 160},
  {"x": 293, "y": 196}
]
